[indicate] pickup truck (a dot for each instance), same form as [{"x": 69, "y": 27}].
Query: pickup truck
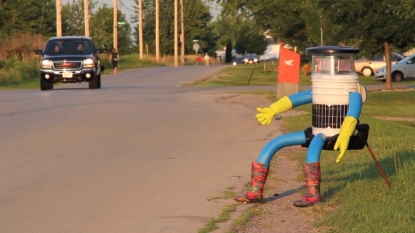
[{"x": 70, "y": 59}]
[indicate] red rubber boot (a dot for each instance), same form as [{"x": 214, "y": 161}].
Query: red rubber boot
[
  {"x": 312, "y": 177},
  {"x": 258, "y": 177}
]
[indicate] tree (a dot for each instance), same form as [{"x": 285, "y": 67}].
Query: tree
[
  {"x": 102, "y": 30},
  {"x": 374, "y": 26},
  {"x": 28, "y": 16},
  {"x": 250, "y": 40},
  {"x": 288, "y": 20},
  {"x": 228, "y": 52},
  {"x": 228, "y": 24},
  {"x": 196, "y": 16},
  {"x": 73, "y": 17},
  {"x": 101, "y": 25}
]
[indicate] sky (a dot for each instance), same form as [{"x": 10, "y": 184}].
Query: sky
[{"x": 126, "y": 6}]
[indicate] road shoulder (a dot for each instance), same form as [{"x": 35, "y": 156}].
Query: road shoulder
[{"x": 277, "y": 214}]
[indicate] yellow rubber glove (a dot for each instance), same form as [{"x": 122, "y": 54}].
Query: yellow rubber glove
[
  {"x": 266, "y": 115},
  {"x": 346, "y": 130}
]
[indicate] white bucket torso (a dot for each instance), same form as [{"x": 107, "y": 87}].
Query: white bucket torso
[{"x": 330, "y": 95}]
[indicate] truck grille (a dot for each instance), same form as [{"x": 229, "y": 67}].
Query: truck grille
[{"x": 67, "y": 65}]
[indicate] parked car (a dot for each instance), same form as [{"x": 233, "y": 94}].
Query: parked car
[
  {"x": 238, "y": 60},
  {"x": 251, "y": 58},
  {"x": 70, "y": 59},
  {"x": 405, "y": 68},
  {"x": 264, "y": 58},
  {"x": 367, "y": 67}
]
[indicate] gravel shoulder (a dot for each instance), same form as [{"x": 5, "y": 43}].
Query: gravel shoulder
[{"x": 277, "y": 214}]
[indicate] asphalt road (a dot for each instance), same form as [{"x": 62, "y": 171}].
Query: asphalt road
[{"x": 141, "y": 154}]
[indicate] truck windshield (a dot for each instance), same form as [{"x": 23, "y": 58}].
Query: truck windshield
[{"x": 68, "y": 47}]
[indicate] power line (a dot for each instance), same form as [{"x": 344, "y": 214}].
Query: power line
[{"x": 125, "y": 6}]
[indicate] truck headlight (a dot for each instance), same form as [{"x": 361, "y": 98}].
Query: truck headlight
[
  {"x": 46, "y": 64},
  {"x": 255, "y": 60},
  {"x": 89, "y": 63}
]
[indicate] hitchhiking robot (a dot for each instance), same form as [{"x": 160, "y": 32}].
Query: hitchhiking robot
[{"x": 337, "y": 98}]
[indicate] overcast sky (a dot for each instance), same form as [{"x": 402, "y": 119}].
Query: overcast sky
[{"x": 126, "y": 6}]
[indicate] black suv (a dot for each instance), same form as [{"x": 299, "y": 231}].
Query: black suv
[
  {"x": 251, "y": 58},
  {"x": 70, "y": 59}
]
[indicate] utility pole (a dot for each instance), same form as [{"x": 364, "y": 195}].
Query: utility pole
[
  {"x": 115, "y": 25},
  {"x": 176, "y": 62},
  {"x": 140, "y": 28},
  {"x": 182, "y": 31},
  {"x": 58, "y": 18},
  {"x": 157, "y": 31},
  {"x": 86, "y": 17},
  {"x": 321, "y": 30}
]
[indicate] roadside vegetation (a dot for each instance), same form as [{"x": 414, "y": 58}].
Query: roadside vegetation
[
  {"x": 16, "y": 74},
  {"x": 257, "y": 75},
  {"x": 356, "y": 198},
  {"x": 20, "y": 67}
]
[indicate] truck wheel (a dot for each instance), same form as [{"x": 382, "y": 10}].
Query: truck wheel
[
  {"x": 94, "y": 83},
  {"x": 99, "y": 80},
  {"x": 44, "y": 85},
  {"x": 50, "y": 85}
]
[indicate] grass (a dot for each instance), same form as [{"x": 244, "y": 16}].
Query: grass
[
  {"x": 356, "y": 198},
  {"x": 241, "y": 223},
  {"x": 224, "y": 216},
  {"x": 130, "y": 61},
  {"x": 15, "y": 74},
  {"x": 255, "y": 75}
]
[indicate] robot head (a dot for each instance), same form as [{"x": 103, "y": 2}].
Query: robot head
[{"x": 332, "y": 60}]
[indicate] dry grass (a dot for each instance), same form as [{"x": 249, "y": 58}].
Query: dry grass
[
  {"x": 306, "y": 69},
  {"x": 21, "y": 47}
]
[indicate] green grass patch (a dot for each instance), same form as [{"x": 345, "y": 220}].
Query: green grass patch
[
  {"x": 257, "y": 75},
  {"x": 224, "y": 216},
  {"x": 129, "y": 61},
  {"x": 228, "y": 193},
  {"x": 242, "y": 221},
  {"x": 356, "y": 198},
  {"x": 15, "y": 74}
]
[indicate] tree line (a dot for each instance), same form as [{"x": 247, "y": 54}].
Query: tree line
[{"x": 373, "y": 26}]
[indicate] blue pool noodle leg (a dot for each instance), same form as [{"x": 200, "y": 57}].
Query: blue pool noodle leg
[
  {"x": 290, "y": 139},
  {"x": 314, "y": 150}
]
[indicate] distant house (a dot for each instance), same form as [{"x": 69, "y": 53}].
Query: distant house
[
  {"x": 221, "y": 54},
  {"x": 271, "y": 53}
]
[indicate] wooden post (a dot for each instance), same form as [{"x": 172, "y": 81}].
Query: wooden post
[
  {"x": 157, "y": 31},
  {"x": 58, "y": 18},
  {"x": 115, "y": 26},
  {"x": 140, "y": 28},
  {"x": 176, "y": 44},
  {"x": 182, "y": 30},
  {"x": 86, "y": 17}
]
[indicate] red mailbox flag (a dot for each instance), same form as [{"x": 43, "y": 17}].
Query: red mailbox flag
[{"x": 289, "y": 66}]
